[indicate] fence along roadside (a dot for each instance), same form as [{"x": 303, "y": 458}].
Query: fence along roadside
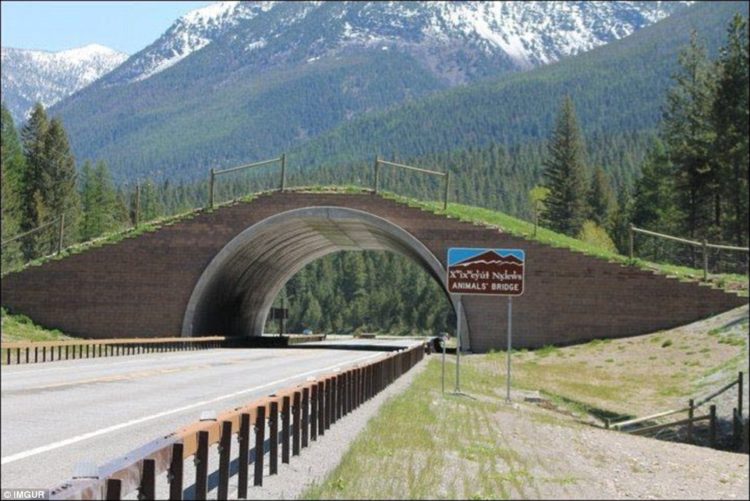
[{"x": 304, "y": 412}]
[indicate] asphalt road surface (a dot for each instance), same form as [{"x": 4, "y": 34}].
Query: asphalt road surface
[{"x": 57, "y": 414}]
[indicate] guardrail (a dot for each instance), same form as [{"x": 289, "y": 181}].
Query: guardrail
[
  {"x": 36, "y": 352},
  {"x": 704, "y": 245},
  {"x": 214, "y": 173},
  {"x": 737, "y": 422},
  {"x": 304, "y": 412},
  {"x": 445, "y": 175}
]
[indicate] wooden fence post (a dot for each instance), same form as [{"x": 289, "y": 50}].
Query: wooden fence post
[
  {"x": 705, "y": 260},
  {"x": 283, "y": 171},
  {"x": 691, "y": 411},
  {"x": 630, "y": 244},
  {"x": 211, "y": 189},
  {"x": 447, "y": 187},
  {"x": 61, "y": 234},
  {"x": 712, "y": 429},
  {"x": 377, "y": 174}
]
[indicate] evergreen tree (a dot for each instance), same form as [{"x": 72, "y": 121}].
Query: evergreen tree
[
  {"x": 689, "y": 136},
  {"x": 565, "y": 175},
  {"x": 600, "y": 198},
  {"x": 59, "y": 194},
  {"x": 33, "y": 137},
  {"x": 654, "y": 202},
  {"x": 12, "y": 165},
  {"x": 103, "y": 210},
  {"x": 730, "y": 119}
]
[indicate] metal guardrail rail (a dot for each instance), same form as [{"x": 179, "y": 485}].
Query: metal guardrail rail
[
  {"x": 35, "y": 352},
  {"x": 303, "y": 412}
]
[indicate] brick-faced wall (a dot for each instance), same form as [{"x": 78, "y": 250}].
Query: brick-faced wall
[{"x": 141, "y": 286}]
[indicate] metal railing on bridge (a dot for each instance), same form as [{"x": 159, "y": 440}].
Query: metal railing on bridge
[
  {"x": 290, "y": 418},
  {"x": 25, "y": 352}
]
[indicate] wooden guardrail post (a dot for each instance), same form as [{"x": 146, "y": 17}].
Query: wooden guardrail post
[
  {"x": 260, "y": 447},
  {"x": 321, "y": 408},
  {"x": 225, "y": 450},
  {"x": 377, "y": 174},
  {"x": 113, "y": 489},
  {"x": 147, "y": 487},
  {"x": 273, "y": 436},
  {"x": 740, "y": 378},
  {"x": 201, "y": 466},
  {"x": 314, "y": 412},
  {"x": 447, "y": 187},
  {"x": 691, "y": 412},
  {"x": 712, "y": 426},
  {"x": 296, "y": 404},
  {"x": 61, "y": 233},
  {"x": 285, "y": 431},
  {"x": 244, "y": 455},
  {"x": 137, "y": 210},
  {"x": 211, "y": 188},
  {"x": 705, "y": 260},
  {"x": 630, "y": 240},
  {"x": 174, "y": 475},
  {"x": 305, "y": 414}
]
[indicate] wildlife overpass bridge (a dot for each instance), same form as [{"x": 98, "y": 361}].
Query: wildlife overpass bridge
[{"x": 218, "y": 272}]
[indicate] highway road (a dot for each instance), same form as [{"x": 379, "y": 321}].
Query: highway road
[{"x": 57, "y": 414}]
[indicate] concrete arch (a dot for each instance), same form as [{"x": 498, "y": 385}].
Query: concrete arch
[{"x": 237, "y": 288}]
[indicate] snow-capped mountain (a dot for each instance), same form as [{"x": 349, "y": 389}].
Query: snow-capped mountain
[
  {"x": 457, "y": 41},
  {"x": 29, "y": 76}
]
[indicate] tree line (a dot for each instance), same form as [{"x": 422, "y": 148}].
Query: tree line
[{"x": 694, "y": 178}]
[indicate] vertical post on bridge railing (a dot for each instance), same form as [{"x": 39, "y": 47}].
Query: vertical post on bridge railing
[
  {"x": 283, "y": 172},
  {"x": 174, "y": 475},
  {"x": 314, "y": 412},
  {"x": 296, "y": 402},
  {"x": 113, "y": 489},
  {"x": 273, "y": 437},
  {"x": 244, "y": 444},
  {"x": 225, "y": 450},
  {"x": 147, "y": 487},
  {"x": 305, "y": 415},
  {"x": 260, "y": 440},
  {"x": 321, "y": 408},
  {"x": 201, "y": 466},
  {"x": 285, "y": 435}
]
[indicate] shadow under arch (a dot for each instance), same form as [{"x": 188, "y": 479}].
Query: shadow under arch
[{"x": 235, "y": 291}]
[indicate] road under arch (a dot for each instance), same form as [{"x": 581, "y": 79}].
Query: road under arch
[{"x": 236, "y": 290}]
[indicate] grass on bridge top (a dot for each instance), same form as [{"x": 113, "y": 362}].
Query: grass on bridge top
[{"x": 514, "y": 226}]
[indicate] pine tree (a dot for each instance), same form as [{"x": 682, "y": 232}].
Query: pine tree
[
  {"x": 600, "y": 198},
  {"x": 730, "y": 119},
  {"x": 59, "y": 192},
  {"x": 33, "y": 137},
  {"x": 689, "y": 136},
  {"x": 12, "y": 165},
  {"x": 565, "y": 175}
]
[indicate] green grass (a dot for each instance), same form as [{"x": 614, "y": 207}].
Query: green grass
[
  {"x": 423, "y": 445},
  {"x": 21, "y": 328}
]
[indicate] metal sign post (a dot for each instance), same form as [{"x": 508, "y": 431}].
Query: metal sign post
[
  {"x": 489, "y": 272},
  {"x": 458, "y": 347},
  {"x": 510, "y": 343},
  {"x": 445, "y": 340}
]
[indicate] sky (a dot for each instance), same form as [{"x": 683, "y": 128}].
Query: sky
[{"x": 53, "y": 26}]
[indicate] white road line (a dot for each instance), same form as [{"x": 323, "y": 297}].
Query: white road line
[{"x": 86, "y": 436}]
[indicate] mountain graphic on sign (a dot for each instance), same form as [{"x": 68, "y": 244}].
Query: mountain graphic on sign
[{"x": 492, "y": 259}]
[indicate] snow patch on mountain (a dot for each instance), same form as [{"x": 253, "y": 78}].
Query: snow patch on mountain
[{"x": 29, "y": 76}]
